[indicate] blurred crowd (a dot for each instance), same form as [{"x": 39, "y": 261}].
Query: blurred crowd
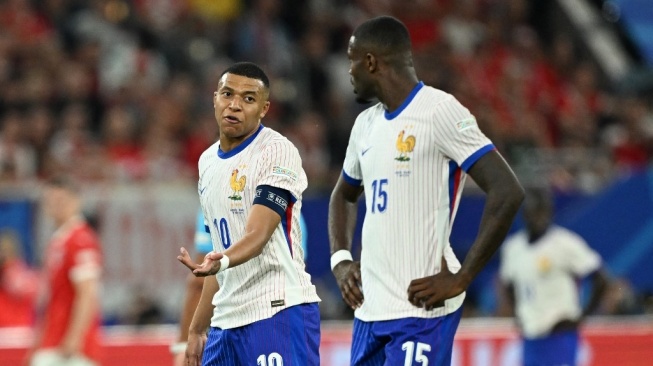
[{"x": 114, "y": 90}]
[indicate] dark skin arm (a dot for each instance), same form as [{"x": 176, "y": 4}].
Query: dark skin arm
[
  {"x": 599, "y": 283},
  {"x": 504, "y": 195},
  {"x": 343, "y": 209}
]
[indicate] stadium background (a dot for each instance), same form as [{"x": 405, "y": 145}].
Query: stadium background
[{"x": 118, "y": 93}]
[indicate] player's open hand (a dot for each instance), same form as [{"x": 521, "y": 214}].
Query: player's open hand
[
  {"x": 348, "y": 276},
  {"x": 210, "y": 265},
  {"x": 430, "y": 292}
]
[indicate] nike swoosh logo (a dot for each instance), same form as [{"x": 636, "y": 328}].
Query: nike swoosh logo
[
  {"x": 202, "y": 190},
  {"x": 366, "y": 150}
]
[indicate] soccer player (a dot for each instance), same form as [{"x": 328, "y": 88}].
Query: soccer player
[
  {"x": 194, "y": 284},
  {"x": 70, "y": 329},
  {"x": 410, "y": 154},
  {"x": 251, "y": 183},
  {"x": 539, "y": 268}
]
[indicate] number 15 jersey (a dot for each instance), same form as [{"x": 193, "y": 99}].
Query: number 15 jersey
[{"x": 412, "y": 164}]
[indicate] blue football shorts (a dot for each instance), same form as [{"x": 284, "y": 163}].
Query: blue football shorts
[
  {"x": 557, "y": 349},
  {"x": 407, "y": 341},
  {"x": 290, "y": 338}
]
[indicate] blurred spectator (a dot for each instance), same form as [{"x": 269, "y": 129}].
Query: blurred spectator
[
  {"x": 17, "y": 157},
  {"x": 143, "y": 309},
  {"x": 18, "y": 284}
]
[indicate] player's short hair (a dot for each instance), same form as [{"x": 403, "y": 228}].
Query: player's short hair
[
  {"x": 62, "y": 181},
  {"x": 249, "y": 70},
  {"x": 384, "y": 34}
]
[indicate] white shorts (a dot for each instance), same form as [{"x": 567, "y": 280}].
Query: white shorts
[{"x": 51, "y": 357}]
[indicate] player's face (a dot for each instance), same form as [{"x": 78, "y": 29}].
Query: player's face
[
  {"x": 537, "y": 217},
  {"x": 359, "y": 76},
  {"x": 240, "y": 103},
  {"x": 55, "y": 201}
]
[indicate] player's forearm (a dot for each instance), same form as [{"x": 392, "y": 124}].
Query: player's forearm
[
  {"x": 261, "y": 224},
  {"x": 343, "y": 211},
  {"x": 193, "y": 294},
  {"x": 204, "y": 312},
  {"x": 84, "y": 311},
  {"x": 599, "y": 285},
  {"x": 501, "y": 206}
]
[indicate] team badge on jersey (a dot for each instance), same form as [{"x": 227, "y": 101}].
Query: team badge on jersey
[
  {"x": 543, "y": 264},
  {"x": 237, "y": 185},
  {"x": 405, "y": 146}
]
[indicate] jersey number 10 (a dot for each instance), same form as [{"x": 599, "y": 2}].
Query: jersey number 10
[{"x": 223, "y": 231}]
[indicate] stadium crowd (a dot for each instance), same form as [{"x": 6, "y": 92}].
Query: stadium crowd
[{"x": 118, "y": 91}]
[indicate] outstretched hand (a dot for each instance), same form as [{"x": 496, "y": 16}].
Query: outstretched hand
[
  {"x": 210, "y": 265},
  {"x": 430, "y": 292},
  {"x": 348, "y": 276}
]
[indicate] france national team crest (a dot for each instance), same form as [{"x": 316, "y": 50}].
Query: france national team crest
[
  {"x": 405, "y": 146},
  {"x": 237, "y": 185}
]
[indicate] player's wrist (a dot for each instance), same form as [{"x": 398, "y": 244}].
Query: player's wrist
[
  {"x": 340, "y": 256},
  {"x": 224, "y": 263},
  {"x": 178, "y": 347}
]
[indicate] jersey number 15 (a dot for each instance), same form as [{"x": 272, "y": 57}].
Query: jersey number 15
[{"x": 380, "y": 194}]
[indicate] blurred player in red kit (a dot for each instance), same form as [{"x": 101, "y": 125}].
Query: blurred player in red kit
[{"x": 68, "y": 332}]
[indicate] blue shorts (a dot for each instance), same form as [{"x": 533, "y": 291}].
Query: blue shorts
[
  {"x": 290, "y": 338},
  {"x": 394, "y": 342},
  {"x": 557, "y": 349}
]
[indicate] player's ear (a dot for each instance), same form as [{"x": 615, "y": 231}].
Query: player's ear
[
  {"x": 265, "y": 109},
  {"x": 371, "y": 62}
]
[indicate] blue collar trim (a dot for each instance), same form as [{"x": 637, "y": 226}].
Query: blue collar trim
[
  {"x": 241, "y": 147},
  {"x": 391, "y": 115}
]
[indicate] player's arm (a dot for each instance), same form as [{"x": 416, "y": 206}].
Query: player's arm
[
  {"x": 507, "y": 300},
  {"x": 85, "y": 307},
  {"x": 261, "y": 224},
  {"x": 193, "y": 293},
  {"x": 504, "y": 195},
  {"x": 343, "y": 210},
  {"x": 599, "y": 284},
  {"x": 201, "y": 322},
  {"x": 264, "y": 218}
]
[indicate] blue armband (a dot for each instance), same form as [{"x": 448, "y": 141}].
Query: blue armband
[{"x": 276, "y": 199}]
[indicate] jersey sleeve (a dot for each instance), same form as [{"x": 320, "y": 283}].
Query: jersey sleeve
[
  {"x": 281, "y": 167},
  {"x": 579, "y": 257},
  {"x": 202, "y": 240},
  {"x": 85, "y": 259},
  {"x": 458, "y": 135},
  {"x": 351, "y": 169}
]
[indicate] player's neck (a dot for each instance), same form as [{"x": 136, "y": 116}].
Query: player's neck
[
  {"x": 229, "y": 143},
  {"x": 395, "y": 89},
  {"x": 66, "y": 221}
]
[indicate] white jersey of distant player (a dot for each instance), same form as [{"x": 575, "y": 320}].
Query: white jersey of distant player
[
  {"x": 410, "y": 163},
  {"x": 275, "y": 279},
  {"x": 544, "y": 276}
]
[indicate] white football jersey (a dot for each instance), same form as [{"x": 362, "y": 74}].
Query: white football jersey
[
  {"x": 276, "y": 279},
  {"x": 544, "y": 276},
  {"x": 412, "y": 164}
]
